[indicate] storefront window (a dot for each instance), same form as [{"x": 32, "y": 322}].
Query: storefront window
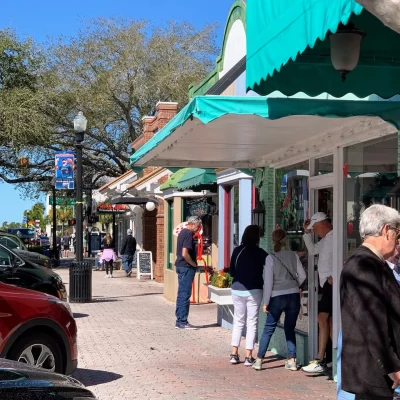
[
  {"x": 324, "y": 165},
  {"x": 200, "y": 207},
  {"x": 291, "y": 210},
  {"x": 370, "y": 173}
]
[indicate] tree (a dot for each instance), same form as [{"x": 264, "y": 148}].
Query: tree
[{"x": 115, "y": 71}]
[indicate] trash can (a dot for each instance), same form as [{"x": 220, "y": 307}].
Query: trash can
[{"x": 80, "y": 282}]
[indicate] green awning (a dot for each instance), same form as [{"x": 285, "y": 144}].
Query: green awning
[
  {"x": 172, "y": 182},
  {"x": 197, "y": 177},
  {"x": 288, "y": 49},
  {"x": 237, "y": 132}
]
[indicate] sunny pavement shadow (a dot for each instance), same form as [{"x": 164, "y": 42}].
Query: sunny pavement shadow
[{"x": 93, "y": 377}]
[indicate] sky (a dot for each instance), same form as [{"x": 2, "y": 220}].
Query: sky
[{"x": 44, "y": 19}]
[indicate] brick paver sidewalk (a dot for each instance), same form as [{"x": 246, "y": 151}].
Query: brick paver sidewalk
[{"x": 129, "y": 349}]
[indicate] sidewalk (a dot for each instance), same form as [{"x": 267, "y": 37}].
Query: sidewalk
[{"x": 129, "y": 349}]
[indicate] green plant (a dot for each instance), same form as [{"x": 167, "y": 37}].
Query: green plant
[{"x": 221, "y": 279}]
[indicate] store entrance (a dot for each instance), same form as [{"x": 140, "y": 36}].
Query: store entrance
[{"x": 322, "y": 201}]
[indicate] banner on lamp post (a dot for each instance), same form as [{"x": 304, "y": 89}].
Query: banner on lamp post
[{"x": 65, "y": 166}]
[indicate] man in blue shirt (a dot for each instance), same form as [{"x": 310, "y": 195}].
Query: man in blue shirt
[{"x": 186, "y": 269}]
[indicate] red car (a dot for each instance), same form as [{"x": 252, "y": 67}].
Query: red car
[{"x": 37, "y": 329}]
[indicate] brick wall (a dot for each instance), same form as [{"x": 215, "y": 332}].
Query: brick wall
[{"x": 153, "y": 222}]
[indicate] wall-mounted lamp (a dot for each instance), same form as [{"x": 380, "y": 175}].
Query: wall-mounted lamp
[{"x": 258, "y": 216}]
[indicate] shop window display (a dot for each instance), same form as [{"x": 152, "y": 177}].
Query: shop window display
[
  {"x": 291, "y": 210},
  {"x": 202, "y": 208},
  {"x": 370, "y": 175}
]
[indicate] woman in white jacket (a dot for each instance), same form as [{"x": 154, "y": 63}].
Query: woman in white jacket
[{"x": 283, "y": 274}]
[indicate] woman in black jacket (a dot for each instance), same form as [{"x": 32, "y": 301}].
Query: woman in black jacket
[{"x": 246, "y": 268}]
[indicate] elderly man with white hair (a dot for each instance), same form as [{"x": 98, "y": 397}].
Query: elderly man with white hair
[{"x": 370, "y": 308}]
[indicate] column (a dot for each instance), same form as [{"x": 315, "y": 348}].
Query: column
[
  {"x": 245, "y": 205},
  {"x": 221, "y": 231}
]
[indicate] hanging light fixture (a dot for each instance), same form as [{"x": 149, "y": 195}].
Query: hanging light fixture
[
  {"x": 258, "y": 216},
  {"x": 345, "y": 48}
]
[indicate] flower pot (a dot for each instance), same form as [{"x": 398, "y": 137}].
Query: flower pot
[{"x": 221, "y": 296}]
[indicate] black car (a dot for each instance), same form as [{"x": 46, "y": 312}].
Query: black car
[
  {"x": 20, "y": 381},
  {"x": 16, "y": 244},
  {"x": 22, "y": 272}
]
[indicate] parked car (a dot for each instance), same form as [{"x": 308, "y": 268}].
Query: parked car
[
  {"x": 25, "y": 234},
  {"x": 37, "y": 329},
  {"x": 20, "y": 381},
  {"x": 16, "y": 244},
  {"x": 22, "y": 272}
]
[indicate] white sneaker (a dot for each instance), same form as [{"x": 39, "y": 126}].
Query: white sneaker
[
  {"x": 315, "y": 367},
  {"x": 110, "y": 276},
  {"x": 107, "y": 276}
]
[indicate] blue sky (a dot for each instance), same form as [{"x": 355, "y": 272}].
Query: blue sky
[{"x": 42, "y": 19}]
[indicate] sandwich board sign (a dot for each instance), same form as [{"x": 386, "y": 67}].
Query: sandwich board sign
[{"x": 144, "y": 264}]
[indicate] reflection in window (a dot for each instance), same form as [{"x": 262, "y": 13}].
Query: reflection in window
[
  {"x": 324, "y": 165},
  {"x": 370, "y": 171},
  {"x": 200, "y": 207}
]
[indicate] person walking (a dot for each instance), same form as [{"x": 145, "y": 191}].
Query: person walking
[
  {"x": 283, "y": 274},
  {"x": 128, "y": 250},
  {"x": 246, "y": 268},
  {"x": 370, "y": 309},
  {"x": 108, "y": 255},
  {"x": 321, "y": 225},
  {"x": 186, "y": 265},
  {"x": 66, "y": 244}
]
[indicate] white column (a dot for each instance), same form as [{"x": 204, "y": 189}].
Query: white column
[
  {"x": 245, "y": 194},
  {"x": 221, "y": 231}
]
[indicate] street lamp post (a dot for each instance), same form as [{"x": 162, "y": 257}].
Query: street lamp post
[{"x": 80, "y": 123}]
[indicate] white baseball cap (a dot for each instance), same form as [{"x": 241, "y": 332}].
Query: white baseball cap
[{"x": 317, "y": 217}]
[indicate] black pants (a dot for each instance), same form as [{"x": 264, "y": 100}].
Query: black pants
[{"x": 109, "y": 266}]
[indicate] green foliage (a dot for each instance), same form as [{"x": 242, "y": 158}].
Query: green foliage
[
  {"x": 221, "y": 280},
  {"x": 115, "y": 71}
]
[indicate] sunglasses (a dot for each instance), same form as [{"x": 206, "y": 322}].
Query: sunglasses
[{"x": 397, "y": 230}]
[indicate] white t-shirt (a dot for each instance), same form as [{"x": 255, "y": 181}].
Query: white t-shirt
[{"x": 324, "y": 249}]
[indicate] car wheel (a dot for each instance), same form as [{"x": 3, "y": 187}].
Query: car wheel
[{"x": 38, "y": 350}]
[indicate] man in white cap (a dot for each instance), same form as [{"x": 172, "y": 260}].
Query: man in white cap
[
  {"x": 128, "y": 250},
  {"x": 321, "y": 225}
]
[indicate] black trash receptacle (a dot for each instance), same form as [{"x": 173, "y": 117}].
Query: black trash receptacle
[{"x": 80, "y": 282}]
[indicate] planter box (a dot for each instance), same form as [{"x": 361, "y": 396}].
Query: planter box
[{"x": 221, "y": 296}]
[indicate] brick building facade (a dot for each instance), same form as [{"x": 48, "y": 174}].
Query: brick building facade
[{"x": 153, "y": 221}]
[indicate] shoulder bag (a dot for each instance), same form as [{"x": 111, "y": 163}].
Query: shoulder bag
[{"x": 295, "y": 277}]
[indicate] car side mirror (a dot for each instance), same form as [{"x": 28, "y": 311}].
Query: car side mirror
[{"x": 16, "y": 263}]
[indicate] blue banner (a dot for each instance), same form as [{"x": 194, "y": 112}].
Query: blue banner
[{"x": 65, "y": 166}]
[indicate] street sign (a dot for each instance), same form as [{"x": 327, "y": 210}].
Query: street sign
[
  {"x": 24, "y": 219},
  {"x": 62, "y": 201}
]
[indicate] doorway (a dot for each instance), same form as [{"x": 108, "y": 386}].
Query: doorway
[{"x": 321, "y": 201}]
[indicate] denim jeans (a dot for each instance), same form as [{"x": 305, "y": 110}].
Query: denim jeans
[
  {"x": 127, "y": 262},
  {"x": 185, "y": 280},
  {"x": 341, "y": 394},
  {"x": 290, "y": 304}
]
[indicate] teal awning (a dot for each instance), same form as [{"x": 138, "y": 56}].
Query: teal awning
[
  {"x": 288, "y": 49},
  {"x": 237, "y": 132},
  {"x": 172, "y": 182},
  {"x": 197, "y": 177}
]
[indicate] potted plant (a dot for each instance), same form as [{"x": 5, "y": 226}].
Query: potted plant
[{"x": 219, "y": 288}]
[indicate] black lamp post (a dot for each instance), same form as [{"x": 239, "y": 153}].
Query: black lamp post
[
  {"x": 56, "y": 254},
  {"x": 80, "y": 123}
]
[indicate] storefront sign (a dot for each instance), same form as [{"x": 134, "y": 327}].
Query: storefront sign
[
  {"x": 112, "y": 208},
  {"x": 65, "y": 165},
  {"x": 199, "y": 209}
]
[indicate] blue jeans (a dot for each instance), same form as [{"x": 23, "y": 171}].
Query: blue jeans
[
  {"x": 341, "y": 394},
  {"x": 290, "y": 304},
  {"x": 185, "y": 280},
  {"x": 127, "y": 262}
]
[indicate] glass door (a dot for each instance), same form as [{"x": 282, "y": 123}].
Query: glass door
[{"x": 321, "y": 201}]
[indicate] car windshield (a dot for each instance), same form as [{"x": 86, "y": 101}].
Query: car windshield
[{"x": 11, "y": 243}]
